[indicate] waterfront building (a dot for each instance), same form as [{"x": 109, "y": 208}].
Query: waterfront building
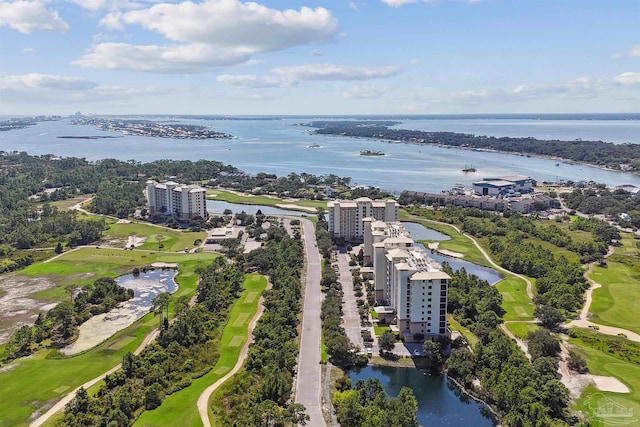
[
  {"x": 171, "y": 198},
  {"x": 345, "y": 216},
  {"x": 410, "y": 287},
  {"x": 503, "y": 185}
]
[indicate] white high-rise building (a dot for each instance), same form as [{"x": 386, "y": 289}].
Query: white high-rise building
[
  {"x": 171, "y": 198},
  {"x": 406, "y": 280},
  {"x": 345, "y": 216}
]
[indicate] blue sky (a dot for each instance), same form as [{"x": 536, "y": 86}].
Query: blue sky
[{"x": 319, "y": 57}]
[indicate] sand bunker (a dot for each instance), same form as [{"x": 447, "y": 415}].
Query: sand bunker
[
  {"x": 135, "y": 241},
  {"x": 101, "y": 327},
  {"x": 296, "y": 207},
  {"x": 609, "y": 384}
]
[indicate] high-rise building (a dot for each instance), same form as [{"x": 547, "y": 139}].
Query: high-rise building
[
  {"x": 171, "y": 198},
  {"x": 345, "y": 216},
  {"x": 406, "y": 281}
]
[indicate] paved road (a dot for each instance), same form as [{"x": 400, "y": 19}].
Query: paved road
[
  {"x": 350, "y": 316},
  {"x": 308, "y": 381}
]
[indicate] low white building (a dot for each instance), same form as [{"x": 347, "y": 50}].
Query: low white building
[{"x": 171, "y": 198}]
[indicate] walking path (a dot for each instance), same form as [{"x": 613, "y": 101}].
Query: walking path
[
  {"x": 308, "y": 379},
  {"x": 583, "y": 321},
  {"x": 62, "y": 402},
  {"x": 203, "y": 400}
]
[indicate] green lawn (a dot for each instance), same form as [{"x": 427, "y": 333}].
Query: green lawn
[
  {"x": 64, "y": 205},
  {"x": 31, "y": 383},
  {"x": 521, "y": 329},
  {"x": 515, "y": 301},
  {"x": 247, "y": 199},
  {"x": 179, "y": 409},
  {"x": 173, "y": 240},
  {"x": 85, "y": 265},
  {"x": 466, "y": 333},
  {"x": 379, "y": 330},
  {"x": 458, "y": 243},
  {"x": 36, "y": 381},
  {"x": 602, "y": 363},
  {"x": 615, "y": 303}
]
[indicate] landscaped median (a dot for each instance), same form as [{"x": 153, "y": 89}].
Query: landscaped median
[{"x": 179, "y": 409}]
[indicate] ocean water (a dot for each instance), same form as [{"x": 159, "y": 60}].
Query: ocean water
[{"x": 280, "y": 146}]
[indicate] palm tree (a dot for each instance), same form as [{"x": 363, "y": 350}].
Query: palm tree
[{"x": 160, "y": 303}]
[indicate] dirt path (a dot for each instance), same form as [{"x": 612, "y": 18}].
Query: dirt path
[
  {"x": 203, "y": 400},
  {"x": 62, "y": 402}
]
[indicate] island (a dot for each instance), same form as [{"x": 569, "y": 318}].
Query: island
[
  {"x": 620, "y": 157},
  {"x": 371, "y": 153},
  {"x": 150, "y": 128}
]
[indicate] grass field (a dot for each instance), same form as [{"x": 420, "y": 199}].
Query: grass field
[
  {"x": 32, "y": 383},
  {"x": 247, "y": 199},
  {"x": 29, "y": 384},
  {"x": 615, "y": 303},
  {"x": 466, "y": 333},
  {"x": 64, "y": 205},
  {"x": 174, "y": 240},
  {"x": 180, "y": 409},
  {"x": 515, "y": 300},
  {"x": 602, "y": 363},
  {"x": 521, "y": 329},
  {"x": 458, "y": 242},
  {"x": 83, "y": 266}
]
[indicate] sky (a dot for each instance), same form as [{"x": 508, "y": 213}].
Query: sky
[{"x": 319, "y": 57}]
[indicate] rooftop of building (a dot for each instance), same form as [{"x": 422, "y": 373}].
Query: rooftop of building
[{"x": 494, "y": 183}]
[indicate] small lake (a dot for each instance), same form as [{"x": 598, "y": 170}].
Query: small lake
[
  {"x": 440, "y": 402},
  {"x": 420, "y": 232},
  {"x": 216, "y": 206},
  {"x": 102, "y": 326}
]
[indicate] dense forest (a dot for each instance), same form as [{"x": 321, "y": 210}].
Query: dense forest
[
  {"x": 187, "y": 348},
  {"x": 606, "y": 202},
  {"x": 525, "y": 393},
  {"x": 260, "y": 394},
  {"x": 59, "y": 326},
  {"x": 615, "y": 156}
]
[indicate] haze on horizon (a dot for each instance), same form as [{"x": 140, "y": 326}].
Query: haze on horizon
[{"x": 317, "y": 57}]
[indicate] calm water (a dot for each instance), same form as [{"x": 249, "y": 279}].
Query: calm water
[
  {"x": 440, "y": 402},
  {"x": 281, "y": 147},
  {"x": 420, "y": 232},
  {"x": 218, "y": 207}
]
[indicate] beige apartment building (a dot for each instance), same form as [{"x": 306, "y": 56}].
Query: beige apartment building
[
  {"x": 345, "y": 216},
  {"x": 171, "y": 198},
  {"x": 407, "y": 282}
]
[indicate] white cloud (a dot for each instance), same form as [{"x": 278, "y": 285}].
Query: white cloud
[
  {"x": 633, "y": 52},
  {"x": 161, "y": 59},
  {"x": 45, "y": 82},
  {"x": 209, "y": 34},
  {"x": 352, "y": 5},
  {"x": 316, "y": 53},
  {"x": 253, "y": 81},
  {"x": 28, "y": 50},
  {"x": 583, "y": 87},
  {"x": 364, "y": 92},
  {"x": 398, "y": 3},
  {"x": 333, "y": 72},
  {"x": 29, "y": 16},
  {"x": 628, "y": 78}
]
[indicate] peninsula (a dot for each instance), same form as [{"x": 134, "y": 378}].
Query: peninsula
[
  {"x": 151, "y": 128},
  {"x": 621, "y": 157}
]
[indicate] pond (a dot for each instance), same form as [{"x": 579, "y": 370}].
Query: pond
[
  {"x": 102, "y": 326},
  {"x": 440, "y": 402},
  {"x": 216, "y": 206},
  {"x": 420, "y": 232}
]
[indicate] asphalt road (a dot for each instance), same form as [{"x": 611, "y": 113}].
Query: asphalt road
[{"x": 308, "y": 381}]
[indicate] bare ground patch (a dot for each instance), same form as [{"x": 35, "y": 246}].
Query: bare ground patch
[{"x": 17, "y": 308}]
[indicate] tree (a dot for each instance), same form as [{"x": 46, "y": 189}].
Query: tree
[
  {"x": 58, "y": 250},
  {"x": 432, "y": 356},
  {"x": 576, "y": 362},
  {"x": 387, "y": 341},
  {"x": 160, "y": 303},
  {"x": 550, "y": 317},
  {"x": 159, "y": 238},
  {"x": 542, "y": 343}
]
